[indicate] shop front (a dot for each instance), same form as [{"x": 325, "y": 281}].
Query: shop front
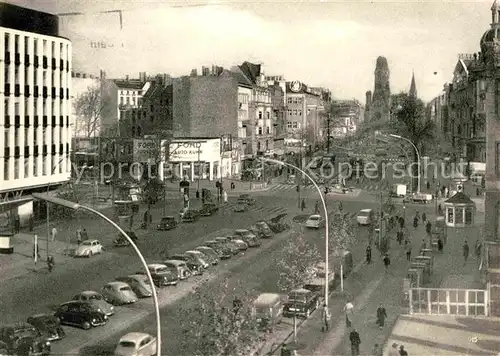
[{"x": 193, "y": 158}]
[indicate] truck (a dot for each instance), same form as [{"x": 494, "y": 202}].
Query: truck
[
  {"x": 399, "y": 190},
  {"x": 420, "y": 198},
  {"x": 317, "y": 283}
]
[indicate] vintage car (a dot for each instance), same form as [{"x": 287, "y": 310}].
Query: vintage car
[
  {"x": 179, "y": 267},
  {"x": 81, "y": 314},
  {"x": 88, "y": 248},
  {"x": 139, "y": 284},
  {"x": 119, "y": 293},
  {"x": 195, "y": 266},
  {"x": 200, "y": 257},
  {"x": 277, "y": 224},
  {"x": 22, "y": 339},
  {"x": 236, "y": 241},
  {"x": 246, "y": 199},
  {"x": 211, "y": 255},
  {"x": 162, "y": 275},
  {"x": 240, "y": 207},
  {"x": 167, "y": 223},
  {"x": 227, "y": 244},
  {"x": 121, "y": 241},
  {"x": 190, "y": 216},
  {"x": 136, "y": 344},
  {"x": 208, "y": 209},
  {"x": 300, "y": 303},
  {"x": 315, "y": 222},
  {"x": 250, "y": 238},
  {"x": 48, "y": 326},
  {"x": 97, "y": 300},
  {"x": 222, "y": 250},
  {"x": 264, "y": 230}
]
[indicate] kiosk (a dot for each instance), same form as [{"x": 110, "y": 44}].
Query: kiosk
[{"x": 460, "y": 211}]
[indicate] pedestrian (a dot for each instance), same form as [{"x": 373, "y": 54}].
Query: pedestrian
[
  {"x": 424, "y": 245},
  {"x": 150, "y": 216},
  {"x": 355, "y": 341},
  {"x": 54, "y": 234},
  {"x": 377, "y": 350},
  {"x": 341, "y": 207},
  {"x": 381, "y": 316},
  {"x": 402, "y": 351},
  {"x": 303, "y": 204},
  {"x": 428, "y": 228},
  {"x": 17, "y": 224},
  {"x": 477, "y": 248},
  {"x": 325, "y": 318},
  {"x": 387, "y": 261},
  {"x": 440, "y": 245},
  {"x": 79, "y": 236},
  {"x": 399, "y": 236},
  {"x": 145, "y": 219},
  {"x": 401, "y": 222},
  {"x": 326, "y": 190},
  {"x": 36, "y": 250},
  {"x": 415, "y": 222},
  {"x": 424, "y": 217},
  {"x": 233, "y": 186},
  {"x": 349, "y": 312},
  {"x": 31, "y": 223},
  {"x": 224, "y": 195},
  {"x": 440, "y": 210},
  {"x": 465, "y": 249},
  {"x": 316, "y": 207},
  {"x": 85, "y": 236},
  {"x": 428, "y": 185},
  {"x": 477, "y": 192},
  {"x": 408, "y": 251},
  {"x": 394, "y": 350},
  {"x": 368, "y": 254}
]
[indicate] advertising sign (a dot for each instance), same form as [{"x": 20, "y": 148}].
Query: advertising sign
[
  {"x": 146, "y": 150},
  {"x": 195, "y": 150}
]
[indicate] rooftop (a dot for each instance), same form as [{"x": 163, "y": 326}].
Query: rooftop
[
  {"x": 460, "y": 198},
  {"x": 129, "y": 84}
]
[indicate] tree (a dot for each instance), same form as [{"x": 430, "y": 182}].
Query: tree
[
  {"x": 410, "y": 122},
  {"x": 216, "y": 323},
  {"x": 341, "y": 235},
  {"x": 88, "y": 109}
]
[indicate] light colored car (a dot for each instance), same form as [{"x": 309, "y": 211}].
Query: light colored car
[
  {"x": 88, "y": 248},
  {"x": 200, "y": 257},
  {"x": 365, "y": 217},
  {"x": 248, "y": 237},
  {"x": 179, "y": 267},
  {"x": 239, "y": 243},
  {"x": 139, "y": 284},
  {"x": 315, "y": 222},
  {"x": 240, "y": 207},
  {"x": 96, "y": 299},
  {"x": 211, "y": 254},
  {"x": 136, "y": 344},
  {"x": 119, "y": 293}
]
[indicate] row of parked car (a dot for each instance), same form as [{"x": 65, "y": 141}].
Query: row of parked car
[{"x": 90, "y": 309}]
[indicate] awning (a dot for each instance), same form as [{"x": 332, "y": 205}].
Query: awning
[{"x": 13, "y": 204}]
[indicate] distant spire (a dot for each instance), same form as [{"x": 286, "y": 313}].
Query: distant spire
[{"x": 413, "y": 87}]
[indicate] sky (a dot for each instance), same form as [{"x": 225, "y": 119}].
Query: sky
[{"x": 326, "y": 43}]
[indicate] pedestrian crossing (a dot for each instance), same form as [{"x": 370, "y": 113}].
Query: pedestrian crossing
[
  {"x": 283, "y": 187},
  {"x": 228, "y": 208}
]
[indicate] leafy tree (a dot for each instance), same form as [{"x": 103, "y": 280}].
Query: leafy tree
[
  {"x": 213, "y": 322},
  {"x": 341, "y": 235},
  {"x": 88, "y": 109}
]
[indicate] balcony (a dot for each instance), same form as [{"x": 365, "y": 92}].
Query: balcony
[
  {"x": 17, "y": 121},
  {"x": 26, "y": 90},
  {"x": 45, "y": 62},
  {"x": 6, "y": 152},
  {"x": 17, "y": 90},
  {"x": 7, "y": 57},
  {"x": 35, "y": 121},
  {"x": 35, "y": 91},
  {"x": 7, "y": 89},
  {"x": 61, "y": 64},
  {"x": 53, "y": 92},
  {"x": 27, "y": 60},
  {"x": 17, "y": 151},
  {"x": 6, "y": 123},
  {"x": 36, "y": 61},
  {"x": 26, "y": 151},
  {"x": 45, "y": 92}
]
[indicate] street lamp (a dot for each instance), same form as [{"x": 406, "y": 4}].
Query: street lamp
[
  {"x": 418, "y": 157},
  {"x": 326, "y": 218},
  {"x": 76, "y": 206},
  {"x": 47, "y": 208}
]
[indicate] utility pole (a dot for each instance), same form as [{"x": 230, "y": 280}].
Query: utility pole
[{"x": 328, "y": 133}]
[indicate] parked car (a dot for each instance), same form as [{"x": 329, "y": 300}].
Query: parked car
[
  {"x": 121, "y": 241},
  {"x": 162, "y": 275},
  {"x": 250, "y": 238},
  {"x": 22, "y": 339},
  {"x": 139, "y": 284},
  {"x": 180, "y": 267},
  {"x": 212, "y": 255},
  {"x": 365, "y": 217},
  {"x": 277, "y": 224},
  {"x": 195, "y": 266},
  {"x": 96, "y": 299},
  {"x": 229, "y": 245},
  {"x": 240, "y": 207},
  {"x": 264, "y": 229},
  {"x": 315, "y": 222},
  {"x": 235, "y": 241},
  {"x": 200, "y": 257},
  {"x": 223, "y": 251},
  {"x": 190, "y": 216},
  {"x": 167, "y": 223},
  {"x": 119, "y": 293},
  {"x": 80, "y": 313},
  {"x": 136, "y": 344},
  {"x": 246, "y": 199},
  {"x": 48, "y": 326},
  {"x": 208, "y": 209},
  {"x": 300, "y": 303},
  {"x": 88, "y": 248}
]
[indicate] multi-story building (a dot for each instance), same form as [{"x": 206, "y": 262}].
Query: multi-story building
[
  {"x": 279, "y": 117},
  {"x": 347, "y": 116},
  {"x": 438, "y": 112},
  {"x": 35, "y": 84}
]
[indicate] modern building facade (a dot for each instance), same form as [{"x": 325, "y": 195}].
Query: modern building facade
[{"x": 36, "y": 115}]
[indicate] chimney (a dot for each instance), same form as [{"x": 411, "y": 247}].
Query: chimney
[
  {"x": 368, "y": 102},
  {"x": 142, "y": 77},
  {"x": 127, "y": 78}
]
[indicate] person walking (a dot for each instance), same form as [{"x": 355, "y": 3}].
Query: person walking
[
  {"x": 424, "y": 217},
  {"x": 54, "y": 234},
  {"x": 377, "y": 350},
  {"x": 341, "y": 207},
  {"x": 415, "y": 222},
  {"x": 303, "y": 204},
  {"x": 381, "y": 316},
  {"x": 440, "y": 245},
  {"x": 423, "y": 246},
  {"x": 145, "y": 219},
  {"x": 402, "y": 351},
  {"x": 368, "y": 254},
  {"x": 316, "y": 207},
  {"x": 465, "y": 250},
  {"x": 325, "y": 318},
  {"x": 85, "y": 236},
  {"x": 478, "y": 248},
  {"x": 31, "y": 223},
  {"x": 394, "y": 350},
  {"x": 355, "y": 341},
  {"x": 232, "y": 186},
  {"x": 428, "y": 229},
  {"x": 399, "y": 236},
  {"x": 387, "y": 262},
  {"x": 349, "y": 312},
  {"x": 79, "y": 236},
  {"x": 224, "y": 195},
  {"x": 408, "y": 251}
]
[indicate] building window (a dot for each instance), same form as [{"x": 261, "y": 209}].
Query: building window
[
  {"x": 260, "y": 131},
  {"x": 268, "y": 115},
  {"x": 267, "y": 145},
  {"x": 295, "y": 125},
  {"x": 44, "y": 78},
  {"x": 6, "y": 175},
  {"x": 6, "y": 138},
  {"x": 289, "y": 100},
  {"x": 299, "y": 112},
  {"x": 268, "y": 130},
  {"x": 44, "y": 165},
  {"x": 128, "y": 100},
  {"x": 258, "y": 146},
  {"x": 290, "y": 112},
  {"x": 6, "y": 74},
  {"x": 26, "y": 167},
  {"x": 17, "y": 162},
  {"x": 260, "y": 114},
  {"x": 289, "y": 125},
  {"x": 295, "y": 112}
]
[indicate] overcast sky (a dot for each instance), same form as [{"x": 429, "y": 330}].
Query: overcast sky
[{"x": 331, "y": 44}]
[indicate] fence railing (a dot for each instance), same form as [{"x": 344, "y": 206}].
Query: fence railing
[{"x": 438, "y": 301}]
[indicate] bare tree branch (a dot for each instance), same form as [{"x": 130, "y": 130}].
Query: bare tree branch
[{"x": 88, "y": 108}]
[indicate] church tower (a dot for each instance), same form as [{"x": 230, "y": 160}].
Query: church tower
[{"x": 413, "y": 88}]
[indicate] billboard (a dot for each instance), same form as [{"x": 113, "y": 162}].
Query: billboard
[
  {"x": 195, "y": 150},
  {"x": 146, "y": 150}
]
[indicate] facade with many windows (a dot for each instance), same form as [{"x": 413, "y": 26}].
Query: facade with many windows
[{"x": 35, "y": 116}]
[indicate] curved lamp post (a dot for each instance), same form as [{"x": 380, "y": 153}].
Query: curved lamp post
[
  {"x": 47, "y": 207},
  {"x": 418, "y": 157},
  {"x": 75, "y": 206},
  {"x": 326, "y": 218}
]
